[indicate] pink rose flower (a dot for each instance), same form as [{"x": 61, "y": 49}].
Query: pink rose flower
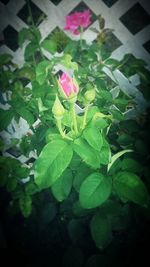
[
  {"x": 78, "y": 20},
  {"x": 68, "y": 85}
]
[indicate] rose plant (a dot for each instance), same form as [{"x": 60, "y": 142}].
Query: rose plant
[{"x": 90, "y": 168}]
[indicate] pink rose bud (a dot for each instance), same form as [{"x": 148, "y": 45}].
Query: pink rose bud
[
  {"x": 78, "y": 20},
  {"x": 68, "y": 86}
]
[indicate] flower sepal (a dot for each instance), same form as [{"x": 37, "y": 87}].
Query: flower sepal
[{"x": 58, "y": 109}]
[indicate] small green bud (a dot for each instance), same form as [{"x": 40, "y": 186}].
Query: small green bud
[
  {"x": 89, "y": 95},
  {"x": 58, "y": 109}
]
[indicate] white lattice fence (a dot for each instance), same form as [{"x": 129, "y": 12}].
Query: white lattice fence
[{"x": 129, "y": 19}]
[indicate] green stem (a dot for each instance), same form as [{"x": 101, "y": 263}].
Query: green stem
[
  {"x": 30, "y": 12},
  {"x": 62, "y": 133},
  {"x": 85, "y": 116},
  {"x": 81, "y": 35},
  {"x": 74, "y": 117},
  {"x": 34, "y": 61},
  {"x": 34, "y": 26}
]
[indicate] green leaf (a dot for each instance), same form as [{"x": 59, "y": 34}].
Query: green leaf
[
  {"x": 105, "y": 95},
  {"x": 94, "y": 191},
  {"x": 131, "y": 165},
  {"x": 92, "y": 111},
  {"x": 31, "y": 188},
  {"x": 25, "y": 114},
  {"x": 62, "y": 187},
  {"x": 30, "y": 49},
  {"x": 101, "y": 231},
  {"x": 49, "y": 45},
  {"x": 11, "y": 184},
  {"x": 87, "y": 153},
  {"x": 39, "y": 90},
  {"x": 25, "y": 204},
  {"x": 5, "y": 59},
  {"x": 82, "y": 172},
  {"x": 128, "y": 185},
  {"x": 75, "y": 162},
  {"x": 121, "y": 102},
  {"x": 125, "y": 139},
  {"x": 26, "y": 72},
  {"x": 66, "y": 61},
  {"x": 24, "y": 35},
  {"x": 22, "y": 172},
  {"x": 42, "y": 71},
  {"x": 100, "y": 123},
  {"x": 105, "y": 153},
  {"x": 117, "y": 115},
  {"x": 67, "y": 119},
  {"x": 93, "y": 137},
  {"x": 112, "y": 62},
  {"x": 116, "y": 167},
  {"x": 36, "y": 34},
  {"x": 5, "y": 118},
  {"x": 53, "y": 160},
  {"x": 116, "y": 156}
]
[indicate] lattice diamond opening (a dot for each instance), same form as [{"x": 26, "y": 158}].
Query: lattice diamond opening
[
  {"x": 109, "y": 3},
  {"x": 37, "y": 14},
  {"x": 135, "y": 19},
  {"x": 112, "y": 42},
  {"x": 5, "y": 2},
  {"x": 11, "y": 37},
  {"x": 55, "y": 2},
  {"x": 147, "y": 46}
]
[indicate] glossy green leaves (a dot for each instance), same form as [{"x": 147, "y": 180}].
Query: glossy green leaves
[
  {"x": 93, "y": 148},
  {"x": 42, "y": 71},
  {"x": 62, "y": 187},
  {"x": 87, "y": 153},
  {"x": 93, "y": 137},
  {"x": 129, "y": 186},
  {"x": 52, "y": 161},
  {"x": 94, "y": 191},
  {"x": 6, "y": 117},
  {"x": 101, "y": 231},
  {"x": 25, "y": 204}
]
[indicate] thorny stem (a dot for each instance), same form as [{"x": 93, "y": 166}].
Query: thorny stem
[
  {"x": 85, "y": 116},
  {"x": 74, "y": 118},
  {"x": 59, "y": 125}
]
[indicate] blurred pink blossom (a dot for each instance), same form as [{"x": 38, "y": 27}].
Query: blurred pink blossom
[
  {"x": 78, "y": 20},
  {"x": 68, "y": 85}
]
